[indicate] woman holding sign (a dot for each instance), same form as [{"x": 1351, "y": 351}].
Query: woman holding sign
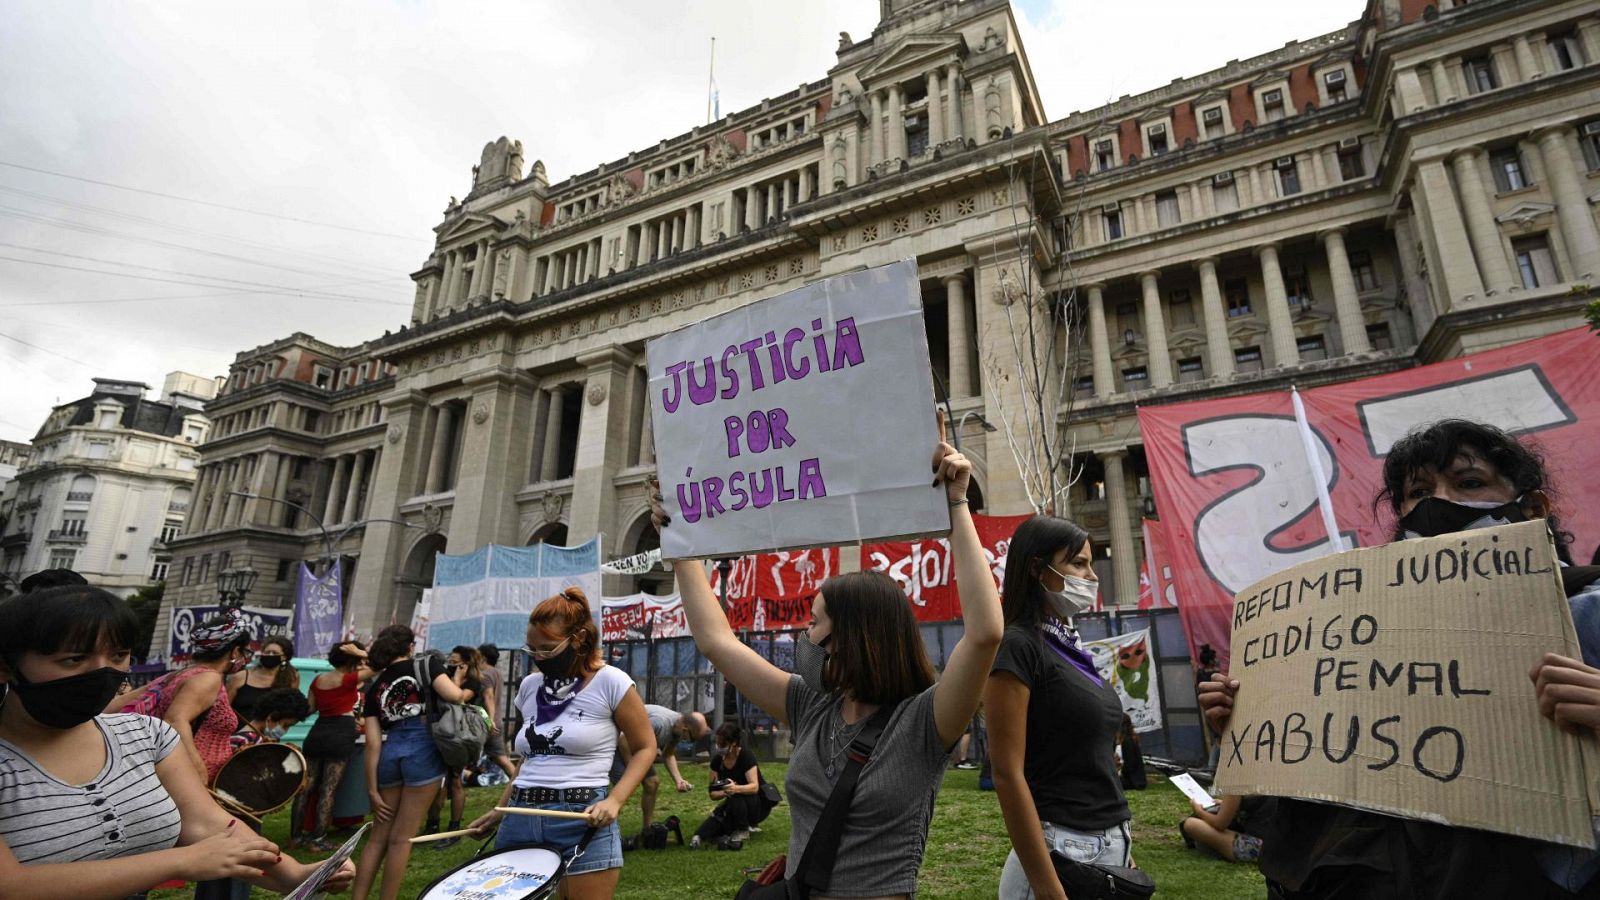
[
  {"x": 861, "y": 669},
  {"x": 1447, "y": 477},
  {"x": 1053, "y": 720}
]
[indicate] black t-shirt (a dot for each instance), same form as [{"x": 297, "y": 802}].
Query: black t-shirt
[
  {"x": 741, "y": 766},
  {"x": 476, "y": 687},
  {"x": 395, "y": 696},
  {"x": 1069, "y": 761}
]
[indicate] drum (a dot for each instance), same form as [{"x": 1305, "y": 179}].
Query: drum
[
  {"x": 529, "y": 872},
  {"x": 260, "y": 779}
]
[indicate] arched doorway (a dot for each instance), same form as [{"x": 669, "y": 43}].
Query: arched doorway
[
  {"x": 553, "y": 533},
  {"x": 641, "y": 537},
  {"x": 417, "y": 575}
]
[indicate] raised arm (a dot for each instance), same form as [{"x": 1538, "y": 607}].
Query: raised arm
[{"x": 966, "y": 671}]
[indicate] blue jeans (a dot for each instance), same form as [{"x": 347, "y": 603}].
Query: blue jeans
[
  {"x": 604, "y": 850},
  {"x": 409, "y": 756},
  {"x": 1109, "y": 847}
]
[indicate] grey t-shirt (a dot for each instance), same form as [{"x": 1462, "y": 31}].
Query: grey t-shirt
[
  {"x": 662, "y": 721},
  {"x": 887, "y": 827}
]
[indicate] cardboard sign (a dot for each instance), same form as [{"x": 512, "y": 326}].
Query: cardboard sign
[
  {"x": 1395, "y": 679},
  {"x": 802, "y": 420}
]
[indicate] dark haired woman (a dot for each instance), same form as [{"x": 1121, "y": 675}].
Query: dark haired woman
[
  {"x": 331, "y": 744},
  {"x": 574, "y": 705},
  {"x": 1053, "y": 721},
  {"x": 863, "y": 653},
  {"x": 736, "y": 781},
  {"x": 1443, "y": 478},
  {"x": 465, "y": 668},
  {"x": 271, "y": 671},
  {"x": 97, "y": 807},
  {"x": 194, "y": 700},
  {"x": 403, "y": 772}
]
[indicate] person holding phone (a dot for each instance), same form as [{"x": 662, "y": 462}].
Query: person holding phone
[{"x": 736, "y": 782}]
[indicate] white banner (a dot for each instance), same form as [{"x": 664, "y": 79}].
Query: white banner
[
  {"x": 419, "y": 619},
  {"x": 1125, "y": 661},
  {"x": 802, "y": 420},
  {"x": 637, "y": 564}
]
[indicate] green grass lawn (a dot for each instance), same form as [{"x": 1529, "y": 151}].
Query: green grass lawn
[{"x": 966, "y": 847}]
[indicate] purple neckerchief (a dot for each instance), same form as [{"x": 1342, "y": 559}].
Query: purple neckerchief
[
  {"x": 1063, "y": 639},
  {"x": 553, "y": 697}
]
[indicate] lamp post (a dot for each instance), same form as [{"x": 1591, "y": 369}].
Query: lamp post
[{"x": 233, "y": 585}]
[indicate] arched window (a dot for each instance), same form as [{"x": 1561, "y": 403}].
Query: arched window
[{"x": 82, "y": 489}]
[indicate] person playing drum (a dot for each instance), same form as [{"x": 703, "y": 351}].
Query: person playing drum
[
  {"x": 574, "y": 705},
  {"x": 97, "y": 807}
]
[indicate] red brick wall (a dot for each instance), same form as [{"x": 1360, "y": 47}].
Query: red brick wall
[
  {"x": 1241, "y": 106},
  {"x": 1303, "y": 88},
  {"x": 1184, "y": 126}
]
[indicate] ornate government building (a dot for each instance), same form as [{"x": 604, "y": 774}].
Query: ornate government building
[{"x": 1418, "y": 185}]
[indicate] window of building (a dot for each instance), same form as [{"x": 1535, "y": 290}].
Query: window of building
[
  {"x": 1180, "y": 309},
  {"x": 1351, "y": 164},
  {"x": 283, "y": 570},
  {"x": 1083, "y": 387},
  {"x": 1479, "y": 71},
  {"x": 108, "y": 419},
  {"x": 1211, "y": 123},
  {"x": 72, "y": 526},
  {"x": 1297, "y": 286},
  {"x": 313, "y": 421},
  {"x": 1272, "y": 105},
  {"x": 1379, "y": 337},
  {"x": 1191, "y": 369},
  {"x": 170, "y": 532},
  {"x": 158, "y": 571},
  {"x": 1534, "y": 261},
  {"x": 1589, "y": 137},
  {"x": 223, "y": 559},
  {"x": 1362, "y": 270},
  {"x": 1155, "y": 138},
  {"x": 1334, "y": 82},
  {"x": 205, "y": 568},
  {"x": 188, "y": 571},
  {"x": 63, "y": 559},
  {"x": 1565, "y": 51},
  {"x": 1224, "y": 194},
  {"x": 917, "y": 134},
  {"x": 1105, "y": 155},
  {"x": 1247, "y": 359},
  {"x": 1113, "y": 224},
  {"x": 1506, "y": 164},
  {"x": 1311, "y": 348},
  {"x": 1135, "y": 379},
  {"x": 1288, "y": 172},
  {"x": 1167, "y": 209},
  {"x": 1237, "y": 293},
  {"x": 323, "y": 377}
]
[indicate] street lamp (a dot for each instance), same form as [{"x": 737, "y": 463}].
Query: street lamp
[{"x": 234, "y": 584}]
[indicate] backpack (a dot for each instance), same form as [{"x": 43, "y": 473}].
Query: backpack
[
  {"x": 459, "y": 731},
  {"x": 654, "y": 836}
]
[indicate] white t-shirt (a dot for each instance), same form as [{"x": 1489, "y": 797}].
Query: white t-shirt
[{"x": 576, "y": 747}]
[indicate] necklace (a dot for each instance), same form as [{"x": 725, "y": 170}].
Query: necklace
[{"x": 840, "y": 736}]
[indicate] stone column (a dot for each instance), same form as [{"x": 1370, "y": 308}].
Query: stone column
[
  {"x": 960, "y": 340},
  {"x": 219, "y": 496},
  {"x": 1284, "y": 349},
  {"x": 1155, "y": 332},
  {"x": 1218, "y": 347},
  {"x": 875, "y": 131},
  {"x": 1572, "y": 205},
  {"x": 352, "y": 491},
  {"x": 450, "y": 275},
  {"x": 335, "y": 504},
  {"x": 194, "y": 518},
  {"x": 935, "y": 112},
  {"x": 1481, "y": 228},
  {"x": 1204, "y": 198},
  {"x": 1505, "y": 63},
  {"x": 807, "y": 184},
  {"x": 1527, "y": 60},
  {"x": 693, "y": 228},
  {"x": 1352, "y": 325},
  {"x": 602, "y": 443},
  {"x": 280, "y": 487},
  {"x": 952, "y": 81},
  {"x": 261, "y": 486},
  {"x": 1099, "y": 344},
  {"x": 1589, "y": 34},
  {"x": 552, "y": 266},
  {"x": 550, "y": 462},
  {"x": 372, "y": 597},
  {"x": 480, "y": 265},
  {"x": 1423, "y": 311},
  {"x": 1443, "y": 90},
  {"x": 1460, "y": 280},
  {"x": 241, "y": 484},
  {"x": 495, "y": 429},
  {"x": 773, "y": 208},
  {"x": 439, "y": 454},
  {"x": 647, "y": 436},
  {"x": 896, "y": 123},
  {"x": 1124, "y": 562}
]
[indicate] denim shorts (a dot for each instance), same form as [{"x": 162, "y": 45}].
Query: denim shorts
[
  {"x": 409, "y": 756},
  {"x": 604, "y": 850},
  {"x": 1107, "y": 847}
]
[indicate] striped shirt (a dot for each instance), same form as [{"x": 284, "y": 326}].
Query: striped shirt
[{"x": 124, "y": 811}]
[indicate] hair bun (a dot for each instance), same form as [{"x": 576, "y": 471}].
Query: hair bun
[{"x": 575, "y": 594}]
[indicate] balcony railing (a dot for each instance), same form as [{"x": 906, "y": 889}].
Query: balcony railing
[
  {"x": 68, "y": 537},
  {"x": 177, "y": 506},
  {"x": 20, "y": 539},
  {"x": 79, "y": 496}
]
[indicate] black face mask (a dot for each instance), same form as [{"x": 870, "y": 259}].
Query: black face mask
[
  {"x": 1433, "y": 516},
  {"x": 558, "y": 666},
  {"x": 269, "y": 662},
  {"x": 71, "y": 701}
]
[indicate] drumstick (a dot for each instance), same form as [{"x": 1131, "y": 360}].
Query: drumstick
[
  {"x": 528, "y": 811},
  {"x": 439, "y": 836}
]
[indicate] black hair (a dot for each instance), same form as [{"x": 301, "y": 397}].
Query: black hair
[
  {"x": 730, "y": 733},
  {"x": 280, "y": 640},
  {"x": 392, "y": 643},
  {"x": 1032, "y": 546},
  {"x": 490, "y": 653},
  {"x": 338, "y": 658},
  {"x": 1439, "y": 443},
  {"x": 50, "y": 578},
  {"x": 280, "y": 704},
  {"x": 76, "y": 618}
]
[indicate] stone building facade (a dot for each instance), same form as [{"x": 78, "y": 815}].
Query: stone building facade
[
  {"x": 1412, "y": 187},
  {"x": 108, "y": 484}
]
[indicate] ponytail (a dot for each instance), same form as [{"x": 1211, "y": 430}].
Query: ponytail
[{"x": 567, "y": 613}]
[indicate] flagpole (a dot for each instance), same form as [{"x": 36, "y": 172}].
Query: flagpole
[{"x": 711, "y": 79}]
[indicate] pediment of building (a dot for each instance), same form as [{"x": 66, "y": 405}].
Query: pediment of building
[
  {"x": 1270, "y": 77},
  {"x": 1187, "y": 339},
  {"x": 1527, "y": 212},
  {"x": 1243, "y": 328},
  {"x": 1212, "y": 96},
  {"x": 471, "y": 223},
  {"x": 913, "y": 55}
]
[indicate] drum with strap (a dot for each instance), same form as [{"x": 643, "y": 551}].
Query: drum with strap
[
  {"x": 528, "y": 872},
  {"x": 260, "y": 779}
]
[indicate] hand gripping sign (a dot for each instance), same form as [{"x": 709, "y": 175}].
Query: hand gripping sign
[{"x": 801, "y": 420}]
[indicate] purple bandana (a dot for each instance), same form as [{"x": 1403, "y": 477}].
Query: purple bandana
[
  {"x": 1063, "y": 639},
  {"x": 553, "y": 697}
]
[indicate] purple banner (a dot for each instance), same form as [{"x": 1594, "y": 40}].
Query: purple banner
[{"x": 318, "y": 610}]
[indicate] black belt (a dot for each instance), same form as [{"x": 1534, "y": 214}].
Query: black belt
[{"x": 555, "y": 795}]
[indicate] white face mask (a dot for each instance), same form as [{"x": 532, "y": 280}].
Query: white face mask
[{"x": 1076, "y": 595}]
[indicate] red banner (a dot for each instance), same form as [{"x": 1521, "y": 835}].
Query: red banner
[
  {"x": 1237, "y": 495},
  {"x": 773, "y": 591},
  {"x": 1156, "y": 586},
  {"x": 926, "y": 571}
]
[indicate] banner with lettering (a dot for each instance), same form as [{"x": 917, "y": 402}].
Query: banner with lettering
[
  {"x": 486, "y": 595},
  {"x": 318, "y": 610},
  {"x": 801, "y": 420},
  {"x": 261, "y": 622},
  {"x": 926, "y": 571},
  {"x": 1236, "y": 492},
  {"x": 1124, "y": 660},
  {"x": 773, "y": 591},
  {"x": 639, "y": 616}
]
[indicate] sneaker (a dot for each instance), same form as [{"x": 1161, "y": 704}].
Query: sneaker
[
  {"x": 694, "y": 842},
  {"x": 740, "y": 836},
  {"x": 966, "y": 765},
  {"x": 755, "y": 829}
]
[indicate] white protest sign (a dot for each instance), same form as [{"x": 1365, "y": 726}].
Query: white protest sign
[
  {"x": 801, "y": 420},
  {"x": 1395, "y": 679}
]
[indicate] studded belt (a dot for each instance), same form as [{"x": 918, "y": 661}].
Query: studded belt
[{"x": 555, "y": 795}]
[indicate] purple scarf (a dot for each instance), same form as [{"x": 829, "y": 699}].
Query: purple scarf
[
  {"x": 553, "y": 697},
  {"x": 1063, "y": 639}
]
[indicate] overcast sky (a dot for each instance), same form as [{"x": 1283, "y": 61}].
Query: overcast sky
[{"x": 351, "y": 123}]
